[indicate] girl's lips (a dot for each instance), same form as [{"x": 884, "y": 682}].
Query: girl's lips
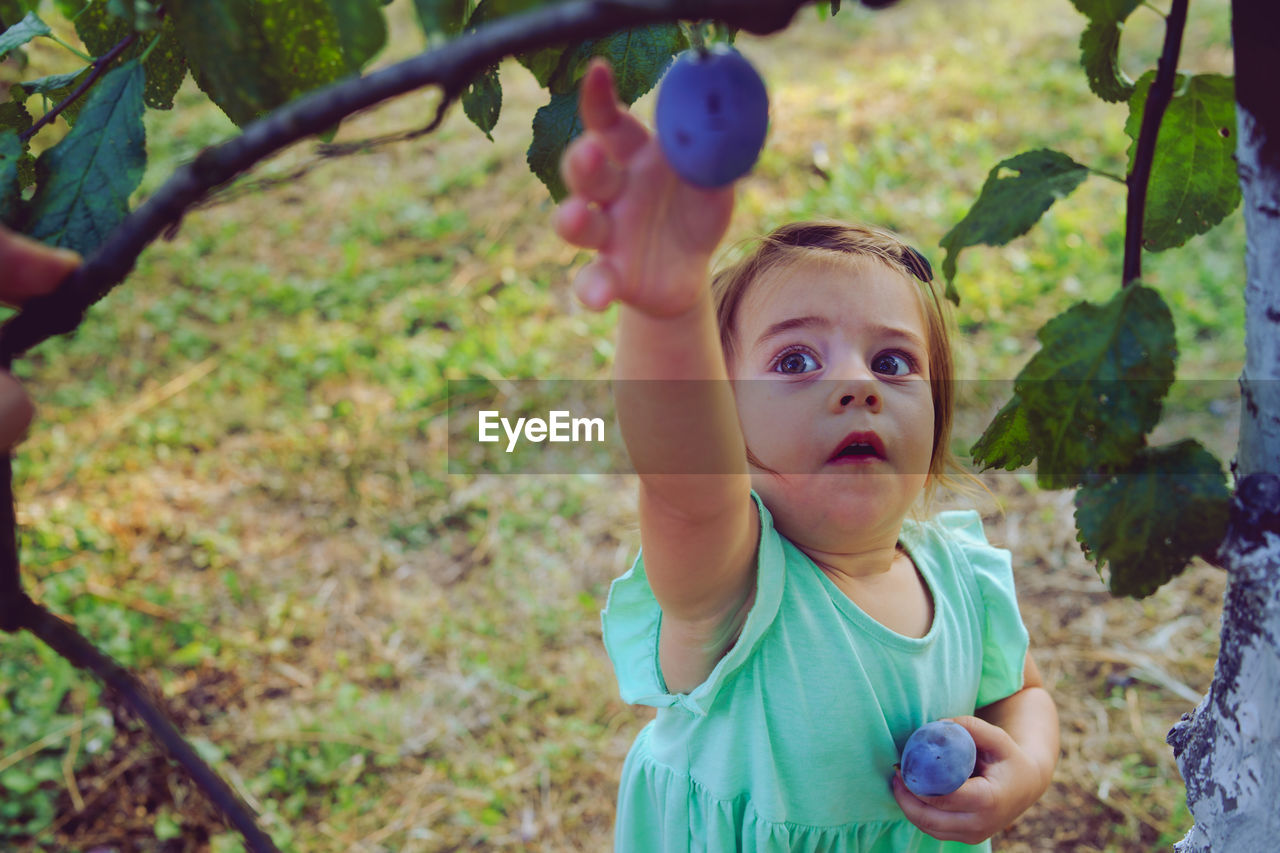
[{"x": 858, "y": 447}]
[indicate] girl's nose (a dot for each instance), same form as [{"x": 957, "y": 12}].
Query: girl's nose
[{"x": 852, "y": 393}]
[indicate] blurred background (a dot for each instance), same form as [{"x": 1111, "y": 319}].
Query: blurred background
[{"x": 237, "y": 482}]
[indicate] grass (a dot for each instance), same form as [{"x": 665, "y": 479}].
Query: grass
[{"x": 237, "y": 483}]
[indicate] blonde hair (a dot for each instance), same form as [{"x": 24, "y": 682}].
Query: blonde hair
[{"x": 809, "y": 241}]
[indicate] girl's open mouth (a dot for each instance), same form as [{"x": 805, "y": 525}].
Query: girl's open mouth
[{"x": 858, "y": 447}]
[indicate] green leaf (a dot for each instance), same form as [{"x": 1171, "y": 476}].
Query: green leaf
[
  {"x": 443, "y": 17},
  {"x": 53, "y": 83},
  {"x": 1100, "y": 47},
  {"x": 639, "y": 57},
  {"x": 1010, "y": 204},
  {"x": 1194, "y": 184},
  {"x": 86, "y": 179},
  {"x": 1006, "y": 442},
  {"x": 166, "y": 65},
  {"x": 14, "y": 116},
  {"x": 251, "y": 56},
  {"x": 22, "y": 32},
  {"x": 363, "y": 30},
  {"x": 13, "y": 11},
  {"x": 55, "y": 89},
  {"x": 1148, "y": 522},
  {"x": 482, "y": 101},
  {"x": 11, "y": 151},
  {"x": 1094, "y": 389},
  {"x": 554, "y": 126}
]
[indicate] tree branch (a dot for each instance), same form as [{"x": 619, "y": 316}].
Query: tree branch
[
  {"x": 66, "y": 641},
  {"x": 11, "y": 595},
  {"x": 1158, "y": 98},
  {"x": 450, "y": 67}
]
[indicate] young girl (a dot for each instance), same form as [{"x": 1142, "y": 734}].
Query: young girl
[{"x": 788, "y": 619}]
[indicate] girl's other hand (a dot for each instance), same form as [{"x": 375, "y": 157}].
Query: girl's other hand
[
  {"x": 653, "y": 233},
  {"x": 27, "y": 268},
  {"x": 1006, "y": 783}
]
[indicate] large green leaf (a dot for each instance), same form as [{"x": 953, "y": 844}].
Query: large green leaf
[
  {"x": 166, "y": 65},
  {"x": 1194, "y": 184},
  {"x": 1094, "y": 389},
  {"x": 86, "y": 179},
  {"x": 1100, "y": 47},
  {"x": 251, "y": 56},
  {"x": 22, "y": 32},
  {"x": 1148, "y": 522},
  {"x": 1015, "y": 195},
  {"x": 1006, "y": 442},
  {"x": 11, "y": 151}
]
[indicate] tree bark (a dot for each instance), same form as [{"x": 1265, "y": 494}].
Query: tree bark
[{"x": 1228, "y": 750}]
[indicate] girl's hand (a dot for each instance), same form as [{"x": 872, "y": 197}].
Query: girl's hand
[
  {"x": 1006, "y": 783},
  {"x": 27, "y": 268},
  {"x": 654, "y": 234}
]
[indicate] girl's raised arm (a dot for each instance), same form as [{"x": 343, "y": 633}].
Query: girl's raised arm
[{"x": 654, "y": 236}]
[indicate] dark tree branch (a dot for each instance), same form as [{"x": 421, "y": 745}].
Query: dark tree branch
[
  {"x": 1158, "y": 98},
  {"x": 69, "y": 643},
  {"x": 450, "y": 67},
  {"x": 100, "y": 66},
  {"x": 12, "y": 597}
]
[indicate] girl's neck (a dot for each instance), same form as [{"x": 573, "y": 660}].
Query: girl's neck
[{"x": 862, "y": 564}]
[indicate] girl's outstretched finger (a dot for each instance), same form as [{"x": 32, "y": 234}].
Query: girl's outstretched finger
[
  {"x": 621, "y": 133},
  {"x": 588, "y": 172},
  {"x": 581, "y": 224},
  {"x": 594, "y": 285}
]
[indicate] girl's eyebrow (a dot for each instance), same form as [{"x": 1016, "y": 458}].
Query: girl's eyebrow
[
  {"x": 792, "y": 323},
  {"x": 812, "y": 321}
]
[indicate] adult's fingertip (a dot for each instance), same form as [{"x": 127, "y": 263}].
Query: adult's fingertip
[
  {"x": 593, "y": 288},
  {"x": 16, "y": 411}
]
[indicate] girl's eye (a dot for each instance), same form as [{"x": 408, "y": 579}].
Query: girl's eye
[
  {"x": 795, "y": 363},
  {"x": 893, "y": 364}
]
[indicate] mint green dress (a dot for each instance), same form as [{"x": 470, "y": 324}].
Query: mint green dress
[{"x": 790, "y": 743}]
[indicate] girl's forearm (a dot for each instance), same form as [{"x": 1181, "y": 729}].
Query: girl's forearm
[{"x": 676, "y": 409}]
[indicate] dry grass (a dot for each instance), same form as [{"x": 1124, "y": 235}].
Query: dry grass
[{"x": 446, "y": 689}]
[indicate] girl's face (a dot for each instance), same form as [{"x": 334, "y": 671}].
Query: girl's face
[{"x": 830, "y": 376}]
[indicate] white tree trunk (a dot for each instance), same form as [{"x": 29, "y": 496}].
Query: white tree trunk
[{"x": 1229, "y": 749}]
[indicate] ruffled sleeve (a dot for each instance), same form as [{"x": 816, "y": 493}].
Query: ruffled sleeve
[
  {"x": 631, "y": 621},
  {"x": 1005, "y": 640}
]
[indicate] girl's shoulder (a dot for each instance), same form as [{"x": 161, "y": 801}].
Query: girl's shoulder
[
  {"x": 955, "y": 542},
  {"x": 960, "y": 531}
]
